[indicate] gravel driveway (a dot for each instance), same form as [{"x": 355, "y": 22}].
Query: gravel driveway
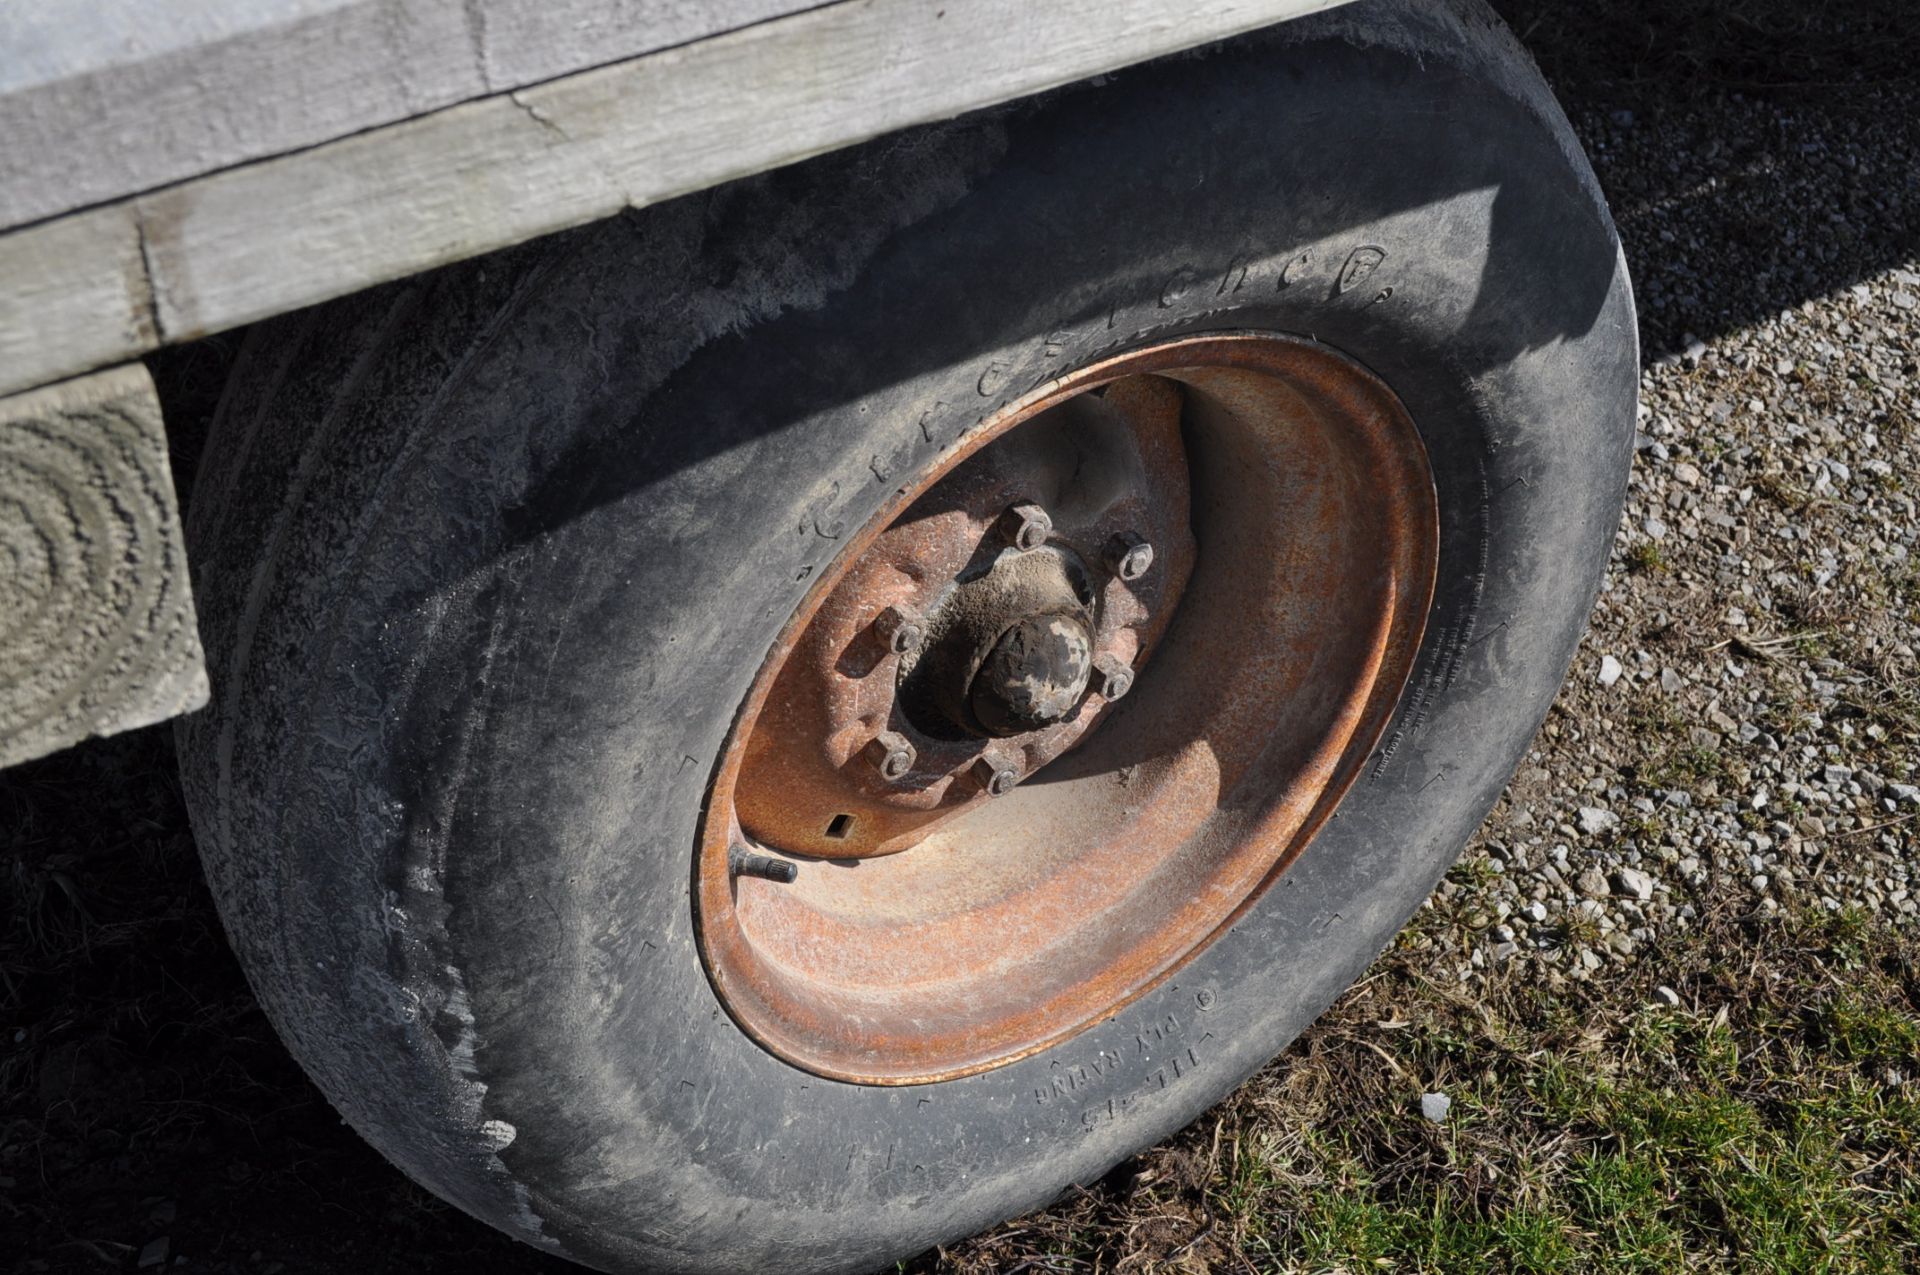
[
  {"x": 1743, "y": 723},
  {"x": 1741, "y": 734}
]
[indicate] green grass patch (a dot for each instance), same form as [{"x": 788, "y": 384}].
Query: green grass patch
[
  {"x": 1770, "y": 1123},
  {"x": 1645, "y": 558}
]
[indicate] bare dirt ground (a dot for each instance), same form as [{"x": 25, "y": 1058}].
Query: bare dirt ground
[{"x": 1670, "y": 993}]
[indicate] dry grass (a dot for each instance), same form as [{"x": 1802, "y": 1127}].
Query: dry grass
[{"x": 1768, "y": 1122}]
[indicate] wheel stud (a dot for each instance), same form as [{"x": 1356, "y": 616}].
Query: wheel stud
[
  {"x": 995, "y": 773},
  {"x": 892, "y": 754},
  {"x": 901, "y": 629},
  {"x": 1112, "y": 677},
  {"x": 1025, "y": 526},
  {"x": 744, "y": 863},
  {"x": 1128, "y": 555}
]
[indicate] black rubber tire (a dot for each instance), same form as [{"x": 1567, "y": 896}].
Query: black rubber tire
[{"x": 487, "y": 559}]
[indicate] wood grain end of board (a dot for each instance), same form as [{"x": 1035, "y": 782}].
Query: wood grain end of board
[{"x": 98, "y": 633}]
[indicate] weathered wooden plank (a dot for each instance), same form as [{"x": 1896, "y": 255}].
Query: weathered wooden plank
[
  {"x": 96, "y": 622},
  {"x": 105, "y": 99},
  {"x": 263, "y": 238},
  {"x": 523, "y": 42},
  {"x": 108, "y": 98},
  {"x": 73, "y": 295}
]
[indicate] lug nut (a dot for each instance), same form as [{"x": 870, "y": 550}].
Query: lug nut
[
  {"x": 744, "y": 863},
  {"x": 1112, "y": 677},
  {"x": 1128, "y": 556},
  {"x": 900, "y": 628},
  {"x": 1026, "y": 526},
  {"x": 892, "y": 755},
  {"x": 996, "y": 774}
]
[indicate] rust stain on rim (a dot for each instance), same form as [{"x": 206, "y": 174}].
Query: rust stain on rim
[{"x": 1269, "y": 651}]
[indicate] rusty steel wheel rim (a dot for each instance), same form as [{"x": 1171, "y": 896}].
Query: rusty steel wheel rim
[{"x": 1066, "y": 707}]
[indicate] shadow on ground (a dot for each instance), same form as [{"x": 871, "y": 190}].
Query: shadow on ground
[
  {"x": 145, "y": 1100},
  {"x": 1708, "y": 120}
]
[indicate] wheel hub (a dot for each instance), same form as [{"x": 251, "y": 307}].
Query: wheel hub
[
  {"x": 1012, "y": 651},
  {"x": 1005, "y": 582}
]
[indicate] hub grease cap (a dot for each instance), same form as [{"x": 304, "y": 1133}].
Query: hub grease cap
[{"x": 1034, "y": 676}]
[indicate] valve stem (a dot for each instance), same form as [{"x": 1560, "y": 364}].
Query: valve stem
[{"x": 743, "y": 862}]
